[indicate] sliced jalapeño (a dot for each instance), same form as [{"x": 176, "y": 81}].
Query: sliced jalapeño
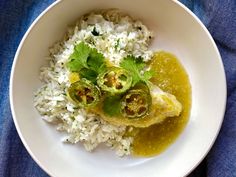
[
  {"x": 115, "y": 80},
  {"x": 136, "y": 102},
  {"x": 83, "y": 93}
]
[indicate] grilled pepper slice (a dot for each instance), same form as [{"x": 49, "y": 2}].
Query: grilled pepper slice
[
  {"x": 83, "y": 93},
  {"x": 115, "y": 80},
  {"x": 136, "y": 102}
]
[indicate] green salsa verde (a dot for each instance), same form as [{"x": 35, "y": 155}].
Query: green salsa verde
[{"x": 171, "y": 77}]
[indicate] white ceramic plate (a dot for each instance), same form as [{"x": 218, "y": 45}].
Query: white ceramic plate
[{"x": 178, "y": 31}]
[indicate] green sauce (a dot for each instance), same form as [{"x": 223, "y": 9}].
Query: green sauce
[{"x": 172, "y": 78}]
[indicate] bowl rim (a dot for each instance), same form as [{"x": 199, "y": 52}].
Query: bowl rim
[{"x": 178, "y": 3}]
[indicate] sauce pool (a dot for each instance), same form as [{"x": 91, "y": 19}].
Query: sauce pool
[{"x": 171, "y": 77}]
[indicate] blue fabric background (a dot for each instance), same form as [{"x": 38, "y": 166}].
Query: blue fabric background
[{"x": 219, "y": 16}]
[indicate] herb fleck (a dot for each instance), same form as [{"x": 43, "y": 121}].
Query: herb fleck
[{"x": 95, "y": 32}]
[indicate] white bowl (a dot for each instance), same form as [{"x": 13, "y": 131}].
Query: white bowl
[{"x": 177, "y": 30}]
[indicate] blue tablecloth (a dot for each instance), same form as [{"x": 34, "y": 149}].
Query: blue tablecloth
[{"x": 219, "y": 16}]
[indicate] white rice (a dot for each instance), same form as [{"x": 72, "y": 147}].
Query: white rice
[{"x": 119, "y": 36}]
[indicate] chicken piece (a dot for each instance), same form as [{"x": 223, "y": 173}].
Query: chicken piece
[{"x": 163, "y": 105}]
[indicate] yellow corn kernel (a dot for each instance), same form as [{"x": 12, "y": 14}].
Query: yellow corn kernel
[{"x": 73, "y": 77}]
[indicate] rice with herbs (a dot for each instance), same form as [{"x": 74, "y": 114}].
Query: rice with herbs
[{"x": 113, "y": 34}]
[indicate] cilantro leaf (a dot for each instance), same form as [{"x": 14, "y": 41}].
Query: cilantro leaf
[
  {"x": 78, "y": 59},
  {"x": 88, "y": 74},
  {"x": 111, "y": 105},
  {"x": 87, "y": 61},
  {"x": 135, "y": 66},
  {"x": 148, "y": 74},
  {"x": 96, "y": 61}
]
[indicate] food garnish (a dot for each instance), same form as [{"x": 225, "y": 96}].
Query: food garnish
[
  {"x": 136, "y": 68},
  {"x": 115, "y": 80},
  {"x": 83, "y": 93},
  {"x": 87, "y": 61}
]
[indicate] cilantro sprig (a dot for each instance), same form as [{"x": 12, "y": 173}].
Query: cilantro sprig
[
  {"x": 136, "y": 66},
  {"x": 87, "y": 61}
]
